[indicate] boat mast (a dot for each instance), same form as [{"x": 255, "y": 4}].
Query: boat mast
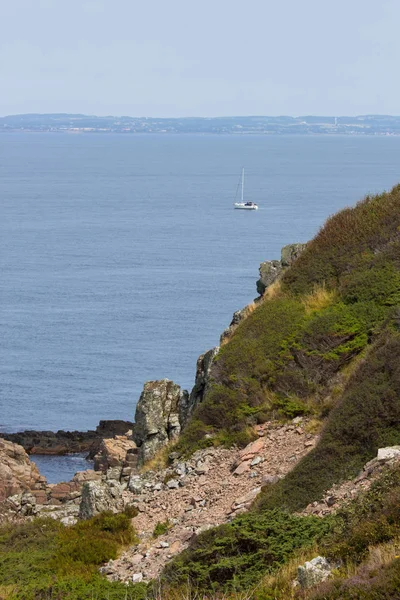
[{"x": 242, "y": 182}]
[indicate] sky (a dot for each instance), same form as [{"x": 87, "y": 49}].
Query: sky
[{"x": 178, "y": 58}]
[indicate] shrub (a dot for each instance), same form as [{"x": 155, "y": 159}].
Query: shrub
[
  {"x": 43, "y": 560},
  {"x": 161, "y": 528},
  {"x": 236, "y": 555}
]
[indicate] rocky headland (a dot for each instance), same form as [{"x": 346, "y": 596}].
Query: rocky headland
[{"x": 120, "y": 449}]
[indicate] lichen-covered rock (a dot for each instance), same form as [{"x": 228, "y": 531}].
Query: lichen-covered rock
[
  {"x": 271, "y": 270},
  {"x": 160, "y": 415},
  {"x": 17, "y": 473},
  {"x": 203, "y": 368},
  {"x": 290, "y": 253},
  {"x": 98, "y": 496},
  {"x": 314, "y": 571},
  {"x": 389, "y": 453}
]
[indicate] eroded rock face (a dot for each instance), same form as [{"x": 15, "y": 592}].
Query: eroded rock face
[
  {"x": 203, "y": 368},
  {"x": 271, "y": 270},
  {"x": 17, "y": 473},
  {"x": 161, "y": 413}
]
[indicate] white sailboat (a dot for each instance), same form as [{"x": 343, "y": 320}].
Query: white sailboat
[{"x": 245, "y": 205}]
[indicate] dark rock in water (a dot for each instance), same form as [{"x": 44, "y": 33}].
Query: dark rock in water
[
  {"x": 161, "y": 413},
  {"x": 66, "y": 442}
]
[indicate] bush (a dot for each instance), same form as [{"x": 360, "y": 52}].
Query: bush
[
  {"x": 45, "y": 560},
  {"x": 161, "y": 528},
  {"x": 236, "y": 555}
]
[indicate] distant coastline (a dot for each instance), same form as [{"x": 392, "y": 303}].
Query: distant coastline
[{"x": 284, "y": 125}]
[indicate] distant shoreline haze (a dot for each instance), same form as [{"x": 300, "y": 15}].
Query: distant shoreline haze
[{"x": 303, "y": 125}]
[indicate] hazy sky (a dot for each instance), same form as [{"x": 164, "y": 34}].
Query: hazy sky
[{"x": 200, "y": 57}]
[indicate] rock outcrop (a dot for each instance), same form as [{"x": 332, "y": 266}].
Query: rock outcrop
[
  {"x": 112, "y": 452},
  {"x": 97, "y": 497},
  {"x": 66, "y": 442},
  {"x": 270, "y": 270},
  {"x": 17, "y": 473},
  {"x": 161, "y": 413},
  {"x": 202, "y": 380},
  {"x": 314, "y": 571}
]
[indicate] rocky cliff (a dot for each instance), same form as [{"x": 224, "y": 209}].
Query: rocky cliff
[
  {"x": 17, "y": 473},
  {"x": 161, "y": 413}
]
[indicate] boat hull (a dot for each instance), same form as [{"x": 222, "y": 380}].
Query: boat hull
[{"x": 240, "y": 206}]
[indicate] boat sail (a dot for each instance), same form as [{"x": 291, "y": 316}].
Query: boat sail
[{"x": 245, "y": 205}]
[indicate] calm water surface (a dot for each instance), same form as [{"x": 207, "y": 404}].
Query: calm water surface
[{"x": 122, "y": 258}]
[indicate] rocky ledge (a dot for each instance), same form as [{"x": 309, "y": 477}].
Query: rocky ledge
[{"x": 66, "y": 442}]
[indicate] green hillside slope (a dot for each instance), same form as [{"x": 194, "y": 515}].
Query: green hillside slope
[{"x": 326, "y": 341}]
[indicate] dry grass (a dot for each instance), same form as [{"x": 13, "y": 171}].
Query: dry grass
[
  {"x": 319, "y": 299},
  {"x": 272, "y": 291},
  {"x": 159, "y": 460},
  {"x": 378, "y": 556},
  {"x": 313, "y": 426},
  {"x": 281, "y": 583}
]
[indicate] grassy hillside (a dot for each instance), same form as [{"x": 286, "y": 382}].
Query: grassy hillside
[
  {"x": 292, "y": 354},
  {"x": 326, "y": 341}
]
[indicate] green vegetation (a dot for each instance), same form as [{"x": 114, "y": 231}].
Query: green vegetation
[
  {"x": 326, "y": 343},
  {"x": 367, "y": 418},
  {"x": 370, "y": 519},
  {"x": 161, "y": 528},
  {"x": 236, "y": 555},
  {"x": 332, "y": 304},
  {"x": 43, "y": 560}
]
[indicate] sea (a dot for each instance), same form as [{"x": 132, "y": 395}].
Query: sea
[{"x": 122, "y": 258}]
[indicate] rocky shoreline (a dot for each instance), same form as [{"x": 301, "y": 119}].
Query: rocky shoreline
[
  {"x": 119, "y": 450},
  {"x": 62, "y": 442}
]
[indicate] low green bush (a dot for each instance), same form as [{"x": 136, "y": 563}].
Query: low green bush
[
  {"x": 43, "y": 560},
  {"x": 235, "y": 556},
  {"x": 161, "y": 528}
]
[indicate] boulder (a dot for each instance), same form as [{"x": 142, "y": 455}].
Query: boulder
[
  {"x": 290, "y": 253},
  {"x": 160, "y": 415},
  {"x": 17, "y": 473},
  {"x": 314, "y": 571},
  {"x": 389, "y": 453},
  {"x": 99, "y": 497},
  {"x": 247, "y": 499},
  {"x": 112, "y": 452}
]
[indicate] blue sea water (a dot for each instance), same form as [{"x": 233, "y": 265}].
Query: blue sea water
[{"x": 122, "y": 258}]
